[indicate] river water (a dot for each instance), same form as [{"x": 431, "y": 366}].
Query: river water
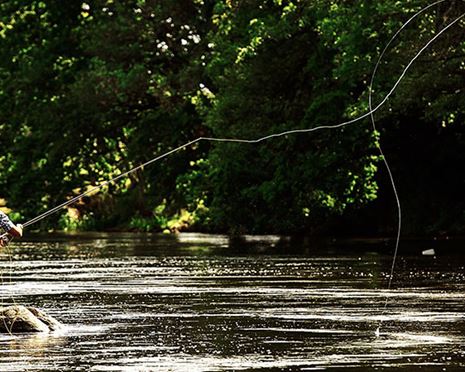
[{"x": 191, "y": 302}]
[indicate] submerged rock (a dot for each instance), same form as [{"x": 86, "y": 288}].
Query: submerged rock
[{"x": 21, "y": 319}]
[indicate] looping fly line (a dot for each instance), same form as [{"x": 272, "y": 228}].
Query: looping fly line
[
  {"x": 251, "y": 141},
  {"x": 370, "y": 114},
  {"x": 385, "y": 161}
]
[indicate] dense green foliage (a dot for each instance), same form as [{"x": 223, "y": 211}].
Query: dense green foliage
[{"x": 91, "y": 89}]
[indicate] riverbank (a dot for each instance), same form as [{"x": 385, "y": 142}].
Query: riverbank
[{"x": 264, "y": 244}]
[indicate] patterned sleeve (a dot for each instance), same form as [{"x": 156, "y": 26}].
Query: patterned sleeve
[{"x": 5, "y": 222}]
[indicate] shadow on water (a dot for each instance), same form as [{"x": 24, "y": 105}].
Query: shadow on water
[{"x": 206, "y": 303}]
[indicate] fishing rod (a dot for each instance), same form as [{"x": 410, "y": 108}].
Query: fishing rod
[
  {"x": 251, "y": 141},
  {"x": 369, "y": 113}
]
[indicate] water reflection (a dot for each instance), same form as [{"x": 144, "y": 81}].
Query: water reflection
[{"x": 142, "y": 302}]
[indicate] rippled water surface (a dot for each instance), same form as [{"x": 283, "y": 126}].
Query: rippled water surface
[{"x": 192, "y": 303}]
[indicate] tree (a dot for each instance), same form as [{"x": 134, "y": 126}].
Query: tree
[
  {"x": 102, "y": 86},
  {"x": 90, "y": 89},
  {"x": 271, "y": 71}
]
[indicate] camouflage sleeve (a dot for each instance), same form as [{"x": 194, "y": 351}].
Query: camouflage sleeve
[{"x": 5, "y": 222}]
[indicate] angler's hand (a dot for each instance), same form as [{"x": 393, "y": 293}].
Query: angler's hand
[{"x": 16, "y": 231}]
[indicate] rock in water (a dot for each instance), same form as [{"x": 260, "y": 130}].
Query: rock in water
[
  {"x": 21, "y": 319},
  {"x": 49, "y": 321}
]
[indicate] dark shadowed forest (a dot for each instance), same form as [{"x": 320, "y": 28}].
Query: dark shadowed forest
[{"x": 91, "y": 89}]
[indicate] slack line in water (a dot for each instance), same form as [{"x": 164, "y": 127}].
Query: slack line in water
[{"x": 370, "y": 113}]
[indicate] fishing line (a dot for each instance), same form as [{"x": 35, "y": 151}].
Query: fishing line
[
  {"x": 385, "y": 161},
  {"x": 9, "y": 254},
  {"x": 249, "y": 141},
  {"x": 289, "y": 132}
]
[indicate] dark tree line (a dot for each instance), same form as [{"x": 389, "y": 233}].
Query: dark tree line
[{"x": 91, "y": 89}]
